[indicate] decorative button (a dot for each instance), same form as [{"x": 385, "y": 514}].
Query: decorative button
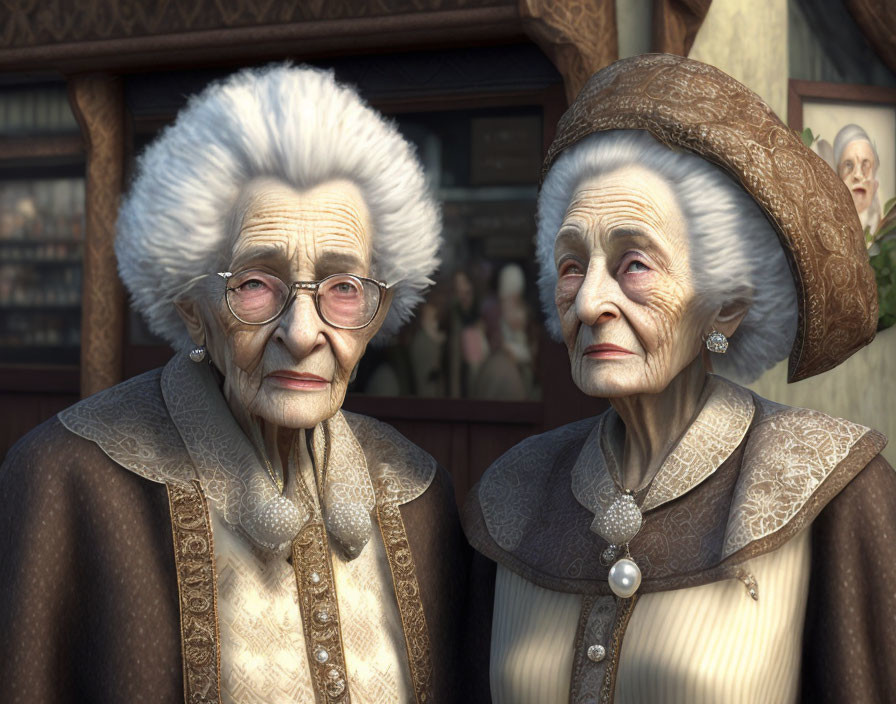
[
  {"x": 336, "y": 685},
  {"x": 596, "y": 653},
  {"x": 608, "y": 556},
  {"x": 314, "y": 577},
  {"x": 322, "y": 616},
  {"x": 321, "y": 655},
  {"x": 336, "y": 688}
]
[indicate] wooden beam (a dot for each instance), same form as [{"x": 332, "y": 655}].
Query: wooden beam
[
  {"x": 578, "y": 37},
  {"x": 97, "y": 102}
]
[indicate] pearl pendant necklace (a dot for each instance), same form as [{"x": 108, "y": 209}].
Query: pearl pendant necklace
[
  {"x": 618, "y": 525},
  {"x": 624, "y": 578}
]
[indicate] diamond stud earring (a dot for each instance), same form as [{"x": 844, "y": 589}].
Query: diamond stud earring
[{"x": 717, "y": 342}]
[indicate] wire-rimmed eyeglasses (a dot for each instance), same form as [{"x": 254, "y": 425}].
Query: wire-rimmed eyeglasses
[{"x": 344, "y": 301}]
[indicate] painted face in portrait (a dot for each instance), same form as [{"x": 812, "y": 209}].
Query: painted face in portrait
[
  {"x": 858, "y": 170},
  {"x": 625, "y": 290},
  {"x": 293, "y": 371}
]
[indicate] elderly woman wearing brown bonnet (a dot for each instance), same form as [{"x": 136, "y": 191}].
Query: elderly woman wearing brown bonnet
[{"x": 694, "y": 543}]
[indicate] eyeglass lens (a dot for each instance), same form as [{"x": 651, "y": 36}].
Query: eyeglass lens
[{"x": 343, "y": 300}]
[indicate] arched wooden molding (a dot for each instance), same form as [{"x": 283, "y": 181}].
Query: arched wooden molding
[
  {"x": 675, "y": 24},
  {"x": 877, "y": 21},
  {"x": 97, "y": 102},
  {"x": 578, "y": 36}
]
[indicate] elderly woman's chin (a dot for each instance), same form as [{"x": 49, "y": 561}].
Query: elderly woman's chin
[
  {"x": 617, "y": 378},
  {"x": 613, "y": 371},
  {"x": 285, "y": 407}
]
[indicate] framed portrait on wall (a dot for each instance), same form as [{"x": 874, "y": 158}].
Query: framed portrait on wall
[{"x": 853, "y": 128}]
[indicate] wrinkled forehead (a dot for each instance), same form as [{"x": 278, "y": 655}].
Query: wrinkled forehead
[
  {"x": 330, "y": 218},
  {"x": 630, "y": 198}
]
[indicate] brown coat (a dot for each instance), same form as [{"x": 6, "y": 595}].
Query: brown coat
[{"x": 90, "y": 587}]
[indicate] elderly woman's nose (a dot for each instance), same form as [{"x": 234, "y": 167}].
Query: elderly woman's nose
[
  {"x": 596, "y": 299},
  {"x": 301, "y": 328}
]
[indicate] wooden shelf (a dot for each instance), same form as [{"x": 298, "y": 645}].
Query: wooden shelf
[
  {"x": 446, "y": 409},
  {"x": 37, "y": 378},
  {"x": 40, "y": 147},
  {"x": 39, "y": 306}
]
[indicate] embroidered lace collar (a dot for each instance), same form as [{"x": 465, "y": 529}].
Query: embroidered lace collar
[{"x": 713, "y": 435}]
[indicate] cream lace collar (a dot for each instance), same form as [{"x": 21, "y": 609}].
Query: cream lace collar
[{"x": 176, "y": 427}]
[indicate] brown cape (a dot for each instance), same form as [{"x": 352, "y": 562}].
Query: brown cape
[{"x": 702, "y": 533}]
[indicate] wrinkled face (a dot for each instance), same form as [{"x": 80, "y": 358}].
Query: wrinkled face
[
  {"x": 625, "y": 292},
  {"x": 293, "y": 372},
  {"x": 857, "y": 170}
]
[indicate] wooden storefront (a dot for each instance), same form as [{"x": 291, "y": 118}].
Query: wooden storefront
[{"x": 497, "y": 66}]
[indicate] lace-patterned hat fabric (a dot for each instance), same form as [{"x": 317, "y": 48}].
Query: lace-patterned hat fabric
[{"x": 689, "y": 105}]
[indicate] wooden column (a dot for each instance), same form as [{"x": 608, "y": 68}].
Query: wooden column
[
  {"x": 675, "y": 24},
  {"x": 97, "y": 102},
  {"x": 578, "y": 36}
]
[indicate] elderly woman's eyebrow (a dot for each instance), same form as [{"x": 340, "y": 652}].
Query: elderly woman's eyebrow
[
  {"x": 265, "y": 252},
  {"x": 339, "y": 263},
  {"x": 569, "y": 231},
  {"x": 630, "y": 233}
]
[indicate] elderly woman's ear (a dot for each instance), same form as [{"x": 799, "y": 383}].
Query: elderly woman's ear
[
  {"x": 730, "y": 317},
  {"x": 188, "y": 310}
]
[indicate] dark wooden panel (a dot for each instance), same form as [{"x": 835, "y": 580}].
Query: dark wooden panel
[
  {"x": 465, "y": 449},
  {"x": 434, "y": 437},
  {"x": 39, "y": 379},
  {"x": 488, "y": 443},
  {"x": 20, "y": 412}
]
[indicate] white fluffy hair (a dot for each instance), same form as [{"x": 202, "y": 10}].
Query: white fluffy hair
[
  {"x": 735, "y": 252},
  {"x": 293, "y": 124}
]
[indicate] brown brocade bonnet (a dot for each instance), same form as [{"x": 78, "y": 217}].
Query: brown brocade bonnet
[{"x": 690, "y": 105}]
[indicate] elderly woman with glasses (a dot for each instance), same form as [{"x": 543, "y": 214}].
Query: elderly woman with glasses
[
  {"x": 694, "y": 543},
  {"x": 218, "y": 530}
]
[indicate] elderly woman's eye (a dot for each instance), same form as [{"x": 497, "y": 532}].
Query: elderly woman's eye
[
  {"x": 345, "y": 289},
  {"x": 636, "y": 266},
  {"x": 570, "y": 268}
]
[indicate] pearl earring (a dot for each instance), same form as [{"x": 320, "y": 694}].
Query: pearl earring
[
  {"x": 717, "y": 342},
  {"x": 197, "y": 354}
]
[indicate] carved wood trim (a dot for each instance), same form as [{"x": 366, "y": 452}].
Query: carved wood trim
[
  {"x": 579, "y": 36},
  {"x": 40, "y": 147},
  {"x": 31, "y": 23},
  {"x": 877, "y": 21},
  {"x": 242, "y": 44},
  {"x": 98, "y": 105}
]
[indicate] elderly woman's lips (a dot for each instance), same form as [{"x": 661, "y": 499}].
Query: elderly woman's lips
[
  {"x": 293, "y": 380},
  {"x": 606, "y": 351}
]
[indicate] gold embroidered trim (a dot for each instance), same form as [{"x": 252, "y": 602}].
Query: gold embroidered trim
[
  {"x": 198, "y": 590},
  {"x": 320, "y": 613},
  {"x": 623, "y": 616},
  {"x": 577, "y": 661},
  {"x": 591, "y": 648},
  {"x": 407, "y": 591}
]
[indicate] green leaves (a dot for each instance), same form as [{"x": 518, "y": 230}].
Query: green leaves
[
  {"x": 887, "y": 227},
  {"x": 807, "y": 137},
  {"x": 884, "y": 265}
]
